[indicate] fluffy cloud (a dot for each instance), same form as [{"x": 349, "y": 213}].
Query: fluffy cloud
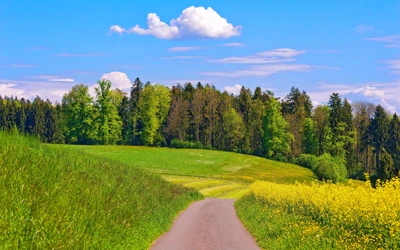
[
  {"x": 233, "y": 89},
  {"x": 194, "y": 22},
  {"x": 184, "y": 49},
  {"x": 118, "y": 79},
  {"x": 8, "y": 89}
]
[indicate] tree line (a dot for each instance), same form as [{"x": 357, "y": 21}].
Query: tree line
[{"x": 350, "y": 139}]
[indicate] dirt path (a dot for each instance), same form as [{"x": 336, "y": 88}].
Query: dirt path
[{"x": 210, "y": 224}]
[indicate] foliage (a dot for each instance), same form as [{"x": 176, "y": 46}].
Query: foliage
[
  {"x": 323, "y": 215},
  {"x": 307, "y": 161},
  {"x": 277, "y": 138},
  {"x": 54, "y": 197}
]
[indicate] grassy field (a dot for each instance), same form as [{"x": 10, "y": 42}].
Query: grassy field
[
  {"x": 322, "y": 216},
  {"x": 213, "y": 173},
  {"x": 58, "y": 198}
]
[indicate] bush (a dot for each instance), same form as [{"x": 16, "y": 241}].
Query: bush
[
  {"x": 307, "y": 161},
  {"x": 330, "y": 168},
  {"x": 175, "y": 143}
]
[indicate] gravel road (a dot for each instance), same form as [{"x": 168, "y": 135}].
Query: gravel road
[{"x": 210, "y": 224}]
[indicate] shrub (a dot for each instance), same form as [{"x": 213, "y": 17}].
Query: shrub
[{"x": 307, "y": 161}]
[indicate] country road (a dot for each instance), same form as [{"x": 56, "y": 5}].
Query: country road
[{"x": 210, "y": 224}]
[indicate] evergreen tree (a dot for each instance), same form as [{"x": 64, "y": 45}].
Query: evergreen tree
[
  {"x": 378, "y": 129},
  {"x": 310, "y": 141},
  {"x": 393, "y": 143}
]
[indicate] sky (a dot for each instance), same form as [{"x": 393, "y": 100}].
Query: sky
[{"x": 349, "y": 47}]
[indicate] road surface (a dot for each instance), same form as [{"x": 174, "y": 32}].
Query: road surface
[{"x": 210, "y": 224}]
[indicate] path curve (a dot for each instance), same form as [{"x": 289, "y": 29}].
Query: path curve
[{"x": 210, "y": 224}]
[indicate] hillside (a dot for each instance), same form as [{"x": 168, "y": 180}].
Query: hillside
[
  {"x": 53, "y": 198},
  {"x": 214, "y": 173}
]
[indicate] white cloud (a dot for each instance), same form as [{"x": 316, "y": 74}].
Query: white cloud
[
  {"x": 117, "y": 29},
  {"x": 8, "y": 89},
  {"x": 61, "y": 80},
  {"x": 263, "y": 70},
  {"x": 233, "y": 89},
  {"x": 118, "y": 79},
  {"x": 394, "y": 65},
  {"x": 283, "y": 52},
  {"x": 184, "y": 49},
  {"x": 270, "y": 56},
  {"x": 233, "y": 45},
  {"x": 364, "y": 28},
  {"x": 251, "y": 60},
  {"x": 390, "y": 41},
  {"x": 194, "y": 22},
  {"x": 369, "y": 91}
]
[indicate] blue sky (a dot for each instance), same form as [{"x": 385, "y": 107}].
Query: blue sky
[{"x": 350, "y": 47}]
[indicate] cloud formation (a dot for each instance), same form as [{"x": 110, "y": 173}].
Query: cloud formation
[
  {"x": 390, "y": 41},
  {"x": 60, "y": 80},
  {"x": 194, "y": 22},
  {"x": 262, "y": 70},
  {"x": 233, "y": 45},
  {"x": 233, "y": 89},
  {"x": 269, "y": 56},
  {"x": 394, "y": 65},
  {"x": 364, "y": 28},
  {"x": 118, "y": 79}
]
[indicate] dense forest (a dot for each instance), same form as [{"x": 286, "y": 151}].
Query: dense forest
[{"x": 337, "y": 140}]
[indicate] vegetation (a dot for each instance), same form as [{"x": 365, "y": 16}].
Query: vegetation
[
  {"x": 54, "y": 197},
  {"x": 200, "y": 116},
  {"x": 322, "y": 216},
  {"x": 213, "y": 173}
]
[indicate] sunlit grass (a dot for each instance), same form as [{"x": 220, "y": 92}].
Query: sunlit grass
[
  {"x": 214, "y": 173},
  {"x": 58, "y": 198}
]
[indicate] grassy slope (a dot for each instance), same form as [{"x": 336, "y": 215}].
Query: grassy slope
[
  {"x": 53, "y": 197},
  {"x": 213, "y": 173}
]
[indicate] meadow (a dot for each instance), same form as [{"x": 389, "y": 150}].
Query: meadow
[
  {"x": 55, "y": 198},
  {"x": 323, "y": 216},
  {"x": 213, "y": 173}
]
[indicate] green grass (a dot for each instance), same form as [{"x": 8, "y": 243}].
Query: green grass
[
  {"x": 214, "y": 173},
  {"x": 55, "y": 197},
  {"x": 274, "y": 228}
]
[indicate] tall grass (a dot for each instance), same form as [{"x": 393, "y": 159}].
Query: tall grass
[{"x": 53, "y": 198}]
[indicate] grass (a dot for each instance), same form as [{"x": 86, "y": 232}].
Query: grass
[
  {"x": 323, "y": 216},
  {"x": 213, "y": 173},
  {"x": 55, "y": 197}
]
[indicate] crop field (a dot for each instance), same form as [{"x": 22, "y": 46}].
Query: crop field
[
  {"x": 322, "y": 216},
  {"x": 213, "y": 173},
  {"x": 57, "y": 198}
]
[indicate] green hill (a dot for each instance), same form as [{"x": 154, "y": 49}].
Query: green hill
[
  {"x": 213, "y": 173},
  {"x": 55, "y": 197}
]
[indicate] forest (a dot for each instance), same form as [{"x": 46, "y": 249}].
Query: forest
[{"x": 338, "y": 140}]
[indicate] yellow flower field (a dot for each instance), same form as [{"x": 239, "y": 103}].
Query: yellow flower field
[{"x": 356, "y": 217}]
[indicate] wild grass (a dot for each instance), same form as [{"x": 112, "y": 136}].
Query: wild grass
[
  {"x": 323, "y": 216},
  {"x": 54, "y": 198},
  {"x": 214, "y": 173}
]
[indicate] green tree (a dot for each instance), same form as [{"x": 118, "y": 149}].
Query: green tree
[
  {"x": 277, "y": 138},
  {"x": 393, "y": 143},
  {"x": 155, "y": 102},
  {"x": 310, "y": 141},
  {"x": 234, "y": 128},
  {"x": 108, "y": 121},
  {"x": 378, "y": 129},
  {"x": 77, "y": 109}
]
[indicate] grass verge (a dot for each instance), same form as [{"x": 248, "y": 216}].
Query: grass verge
[{"x": 53, "y": 198}]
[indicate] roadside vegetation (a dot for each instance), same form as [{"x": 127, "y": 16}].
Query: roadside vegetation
[
  {"x": 323, "y": 216},
  {"x": 54, "y": 198}
]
